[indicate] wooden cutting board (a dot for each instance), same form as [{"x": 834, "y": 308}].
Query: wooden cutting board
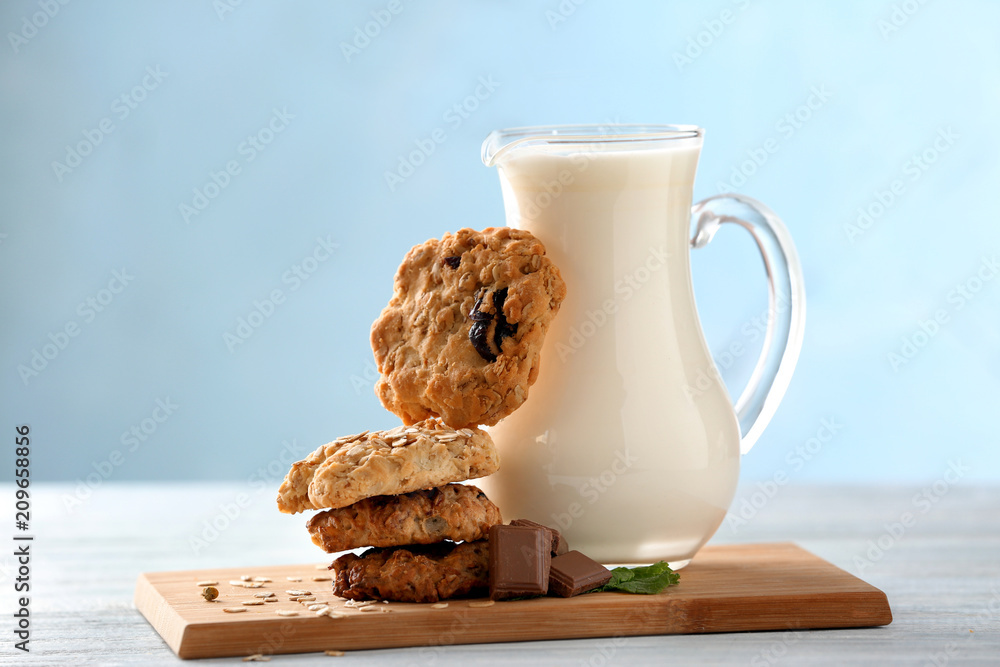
[{"x": 726, "y": 588}]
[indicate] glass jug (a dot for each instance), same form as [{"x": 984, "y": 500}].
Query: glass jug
[{"x": 628, "y": 441}]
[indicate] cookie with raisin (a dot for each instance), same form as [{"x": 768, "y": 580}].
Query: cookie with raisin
[
  {"x": 462, "y": 335},
  {"x": 457, "y": 512},
  {"x": 414, "y": 573},
  {"x": 384, "y": 463}
]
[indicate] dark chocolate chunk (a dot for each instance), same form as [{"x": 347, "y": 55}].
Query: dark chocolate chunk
[
  {"x": 453, "y": 262},
  {"x": 559, "y": 544},
  {"x": 573, "y": 573},
  {"x": 519, "y": 561}
]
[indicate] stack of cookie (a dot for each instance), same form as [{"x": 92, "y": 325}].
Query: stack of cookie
[{"x": 457, "y": 347}]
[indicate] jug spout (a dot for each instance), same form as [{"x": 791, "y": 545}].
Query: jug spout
[{"x": 502, "y": 143}]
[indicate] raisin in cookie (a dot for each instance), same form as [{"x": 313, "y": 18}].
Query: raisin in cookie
[
  {"x": 382, "y": 463},
  {"x": 455, "y": 512},
  {"x": 462, "y": 335}
]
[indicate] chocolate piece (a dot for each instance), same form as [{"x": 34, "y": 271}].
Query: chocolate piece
[
  {"x": 559, "y": 544},
  {"x": 573, "y": 573},
  {"x": 519, "y": 561}
]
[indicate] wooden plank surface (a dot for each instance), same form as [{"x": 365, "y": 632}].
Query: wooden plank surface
[
  {"x": 725, "y": 589},
  {"x": 942, "y": 577}
]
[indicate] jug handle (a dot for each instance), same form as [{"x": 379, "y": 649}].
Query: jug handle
[{"x": 786, "y": 304}]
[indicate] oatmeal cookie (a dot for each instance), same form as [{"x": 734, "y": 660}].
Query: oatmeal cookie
[
  {"x": 461, "y": 336},
  {"x": 414, "y": 574},
  {"x": 453, "y": 512},
  {"x": 382, "y": 463}
]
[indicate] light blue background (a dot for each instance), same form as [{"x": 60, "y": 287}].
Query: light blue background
[{"x": 304, "y": 376}]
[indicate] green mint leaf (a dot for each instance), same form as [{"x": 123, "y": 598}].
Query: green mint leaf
[{"x": 644, "y": 580}]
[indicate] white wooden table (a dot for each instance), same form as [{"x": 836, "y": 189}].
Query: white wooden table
[{"x": 941, "y": 574}]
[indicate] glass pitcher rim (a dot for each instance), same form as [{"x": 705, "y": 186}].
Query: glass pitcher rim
[{"x": 501, "y": 142}]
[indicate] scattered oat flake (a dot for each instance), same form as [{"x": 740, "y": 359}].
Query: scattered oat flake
[
  {"x": 335, "y": 654},
  {"x": 233, "y": 610},
  {"x": 384, "y": 610},
  {"x": 481, "y": 603},
  {"x": 246, "y": 577},
  {"x": 207, "y": 583},
  {"x": 285, "y": 612},
  {"x": 357, "y": 603},
  {"x": 270, "y": 599},
  {"x": 257, "y": 657},
  {"x": 264, "y": 595},
  {"x": 294, "y": 578},
  {"x": 439, "y": 605},
  {"x": 322, "y": 579},
  {"x": 296, "y": 591},
  {"x": 251, "y": 603},
  {"x": 265, "y": 580}
]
